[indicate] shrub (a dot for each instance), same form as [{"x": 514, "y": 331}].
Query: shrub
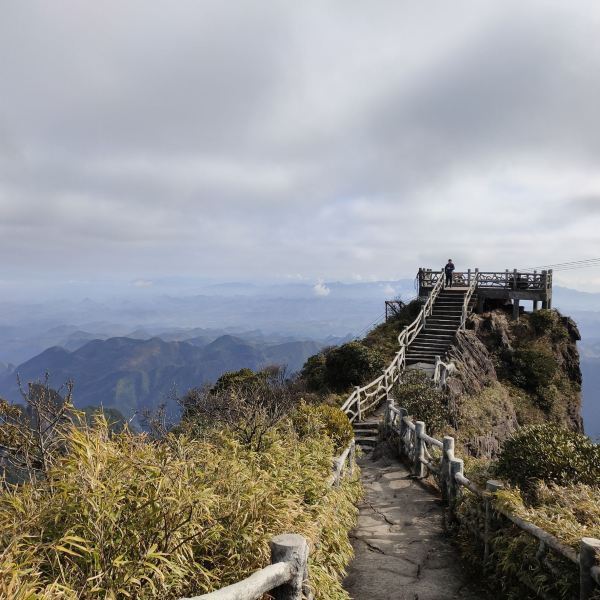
[
  {"x": 248, "y": 404},
  {"x": 314, "y": 372},
  {"x": 550, "y": 454},
  {"x": 542, "y": 321},
  {"x": 532, "y": 368},
  {"x": 122, "y": 517},
  {"x": 324, "y": 419},
  {"x": 239, "y": 380},
  {"x": 424, "y": 402},
  {"x": 351, "y": 364}
]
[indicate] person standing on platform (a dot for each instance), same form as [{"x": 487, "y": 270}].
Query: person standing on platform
[{"x": 448, "y": 270}]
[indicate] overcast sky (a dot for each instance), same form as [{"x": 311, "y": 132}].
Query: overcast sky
[{"x": 315, "y": 140}]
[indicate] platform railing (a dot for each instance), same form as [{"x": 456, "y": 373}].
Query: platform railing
[{"x": 508, "y": 279}]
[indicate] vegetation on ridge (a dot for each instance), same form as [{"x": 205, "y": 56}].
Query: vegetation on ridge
[{"x": 125, "y": 515}]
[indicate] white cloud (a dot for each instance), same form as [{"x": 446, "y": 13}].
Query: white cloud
[
  {"x": 238, "y": 139},
  {"x": 143, "y": 283},
  {"x": 321, "y": 289}
]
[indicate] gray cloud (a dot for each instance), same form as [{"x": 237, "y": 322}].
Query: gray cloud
[{"x": 327, "y": 140}]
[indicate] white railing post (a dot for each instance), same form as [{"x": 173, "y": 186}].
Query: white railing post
[
  {"x": 447, "y": 456},
  {"x": 293, "y": 548},
  {"x": 589, "y": 551},
  {"x": 358, "y": 407},
  {"x": 403, "y": 427},
  {"x": 418, "y": 466},
  {"x": 436, "y": 370},
  {"x": 491, "y": 487},
  {"x": 456, "y": 467},
  {"x": 389, "y": 416}
]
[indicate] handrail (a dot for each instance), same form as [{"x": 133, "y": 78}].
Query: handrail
[
  {"x": 441, "y": 372},
  {"x": 449, "y": 471},
  {"x": 364, "y": 398},
  {"x": 289, "y": 556},
  {"x": 467, "y": 300},
  {"x": 255, "y": 586}
]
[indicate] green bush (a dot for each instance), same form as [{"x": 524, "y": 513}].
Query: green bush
[
  {"x": 351, "y": 364},
  {"x": 238, "y": 380},
  {"x": 123, "y": 517},
  {"x": 550, "y": 454},
  {"x": 543, "y": 321},
  {"x": 532, "y": 368},
  {"x": 424, "y": 402},
  {"x": 314, "y": 373},
  {"x": 324, "y": 419},
  {"x": 550, "y": 323}
]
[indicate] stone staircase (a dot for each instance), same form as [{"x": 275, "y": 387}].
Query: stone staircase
[
  {"x": 441, "y": 327},
  {"x": 366, "y": 433},
  {"x": 433, "y": 340}
]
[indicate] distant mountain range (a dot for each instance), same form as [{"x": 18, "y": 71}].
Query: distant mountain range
[
  {"x": 134, "y": 374},
  {"x": 277, "y": 322}
]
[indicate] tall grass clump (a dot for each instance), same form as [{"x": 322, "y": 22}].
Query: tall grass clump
[{"x": 124, "y": 516}]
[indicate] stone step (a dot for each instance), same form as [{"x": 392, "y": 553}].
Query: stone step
[
  {"x": 453, "y": 321},
  {"x": 365, "y": 429},
  {"x": 426, "y": 353},
  {"x": 437, "y": 336},
  {"x": 428, "y": 348},
  {"x": 434, "y": 340},
  {"x": 369, "y": 441}
]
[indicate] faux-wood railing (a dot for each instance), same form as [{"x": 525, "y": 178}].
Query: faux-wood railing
[
  {"x": 418, "y": 449},
  {"x": 365, "y": 398}
]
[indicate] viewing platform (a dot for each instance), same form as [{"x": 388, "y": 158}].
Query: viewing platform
[{"x": 510, "y": 285}]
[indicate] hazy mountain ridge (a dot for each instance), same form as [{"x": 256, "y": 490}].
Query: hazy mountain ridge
[
  {"x": 260, "y": 315},
  {"x": 131, "y": 374}
]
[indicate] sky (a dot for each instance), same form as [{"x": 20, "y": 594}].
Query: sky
[{"x": 308, "y": 141}]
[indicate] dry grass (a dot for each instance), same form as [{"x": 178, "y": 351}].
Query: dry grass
[{"x": 123, "y": 517}]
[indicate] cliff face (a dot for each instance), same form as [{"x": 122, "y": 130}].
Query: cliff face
[{"x": 511, "y": 374}]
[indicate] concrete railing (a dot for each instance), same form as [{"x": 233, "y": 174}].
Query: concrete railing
[
  {"x": 286, "y": 578},
  {"x": 427, "y": 455},
  {"x": 473, "y": 281}
]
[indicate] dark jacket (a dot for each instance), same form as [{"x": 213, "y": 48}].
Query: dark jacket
[{"x": 449, "y": 268}]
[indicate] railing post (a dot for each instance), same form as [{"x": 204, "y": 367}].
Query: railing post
[
  {"x": 351, "y": 458},
  {"x": 468, "y": 277},
  {"x": 491, "y": 487},
  {"x": 436, "y": 370},
  {"x": 589, "y": 555},
  {"x": 418, "y": 466},
  {"x": 358, "y": 407},
  {"x": 403, "y": 428},
  {"x": 389, "y": 416},
  {"x": 514, "y": 279},
  {"x": 456, "y": 466},
  {"x": 293, "y": 548},
  {"x": 447, "y": 456}
]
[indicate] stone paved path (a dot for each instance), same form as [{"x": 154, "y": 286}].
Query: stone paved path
[{"x": 401, "y": 550}]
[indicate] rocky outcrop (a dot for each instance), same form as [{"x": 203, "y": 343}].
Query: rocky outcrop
[
  {"x": 475, "y": 367},
  {"x": 511, "y": 374}
]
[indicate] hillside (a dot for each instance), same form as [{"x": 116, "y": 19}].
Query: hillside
[
  {"x": 133, "y": 374},
  {"x": 511, "y": 374}
]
